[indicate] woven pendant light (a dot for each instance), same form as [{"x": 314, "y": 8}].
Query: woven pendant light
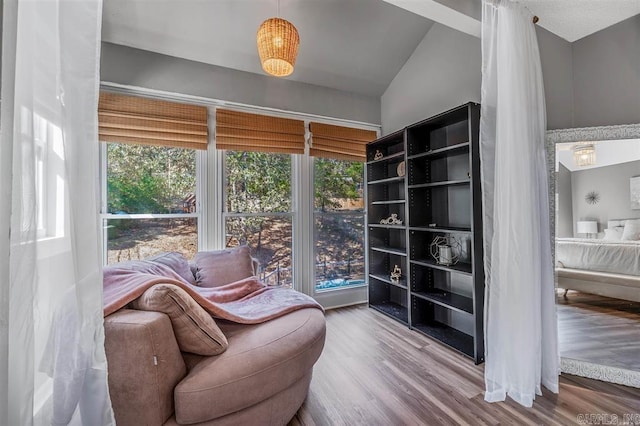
[{"x": 278, "y": 42}]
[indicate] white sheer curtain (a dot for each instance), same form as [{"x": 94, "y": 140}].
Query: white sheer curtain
[
  {"x": 520, "y": 317},
  {"x": 52, "y": 360}
]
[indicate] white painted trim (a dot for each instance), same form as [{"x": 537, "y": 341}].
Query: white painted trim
[
  {"x": 442, "y": 14},
  {"x": 343, "y": 297},
  {"x": 214, "y": 239},
  {"x": 149, "y": 215},
  {"x": 236, "y": 106},
  {"x": 299, "y": 249},
  {"x": 270, "y": 214},
  {"x": 201, "y": 200}
]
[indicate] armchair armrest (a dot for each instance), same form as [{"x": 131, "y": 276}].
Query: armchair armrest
[{"x": 145, "y": 365}]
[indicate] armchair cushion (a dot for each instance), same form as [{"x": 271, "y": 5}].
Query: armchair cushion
[
  {"x": 195, "y": 330},
  {"x": 217, "y": 268},
  {"x": 177, "y": 262},
  {"x": 263, "y": 360}
]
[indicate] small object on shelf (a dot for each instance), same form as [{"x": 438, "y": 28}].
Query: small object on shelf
[
  {"x": 396, "y": 274},
  {"x": 378, "y": 155},
  {"x": 391, "y": 220},
  {"x": 445, "y": 250},
  {"x": 433, "y": 225},
  {"x": 401, "y": 169}
]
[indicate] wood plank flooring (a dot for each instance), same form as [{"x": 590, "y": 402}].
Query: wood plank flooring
[
  {"x": 600, "y": 330},
  {"x": 375, "y": 371}
]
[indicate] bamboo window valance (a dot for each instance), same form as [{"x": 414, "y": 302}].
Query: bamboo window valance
[
  {"x": 132, "y": 119},
  {"x": 338, "y": 142},
  {"x": 242, "y": 131}
]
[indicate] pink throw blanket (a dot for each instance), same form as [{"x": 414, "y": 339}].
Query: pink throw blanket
[{"x": 247, "y": 301}]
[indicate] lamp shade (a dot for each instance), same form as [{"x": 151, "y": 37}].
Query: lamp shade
[
  {"x": 584, "y": 155},
  {"x": 587, "y": 227},
  {"x": 278, "y": 42}
]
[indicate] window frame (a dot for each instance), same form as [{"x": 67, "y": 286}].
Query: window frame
[
  {"x": 201, "y": 160},
  {"x": 291, "y": 214},
  {"x": 210, "y": 184},
  {"x": 315, "y": 212}
]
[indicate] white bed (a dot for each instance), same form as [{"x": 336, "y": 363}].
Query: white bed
[{"x": 600, "y": 266}]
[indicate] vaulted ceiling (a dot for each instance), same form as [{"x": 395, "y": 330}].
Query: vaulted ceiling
[{"x": 352, "y": 45}]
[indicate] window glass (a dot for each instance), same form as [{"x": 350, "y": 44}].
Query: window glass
[
  {"x": 339, "y": 250},
  {"x": 258, "y": 211},
  {"x": 338, "y": 223},
  {"x": 150, "y": 179},
  {"x": 257, "y": 182},
  {"x": 133, "y": 239},
  {"x": 270, "y": 240},
  {"x": 338, "y": 185}
]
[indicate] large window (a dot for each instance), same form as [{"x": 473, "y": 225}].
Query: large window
[
  {"x": 289, "y": 188},
  {"x": 257, "y": 210},
  {"x": 150, "y": 205},
  {"x": 338, "y": 223}
]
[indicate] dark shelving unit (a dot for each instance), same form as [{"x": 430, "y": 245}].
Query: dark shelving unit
[
  {"x": 460, "y": 267},
  {"x": 451, "y": 229},
  {"x": 387, "y": 244},
  {"x": 438, "y": 197},
  {"x": 376, "y": 203},
  {"x": 376, "y": 225},
  {"x": 401, "y": 283}
]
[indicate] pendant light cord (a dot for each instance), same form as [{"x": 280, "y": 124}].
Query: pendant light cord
[{"x": 278, "y": 9}]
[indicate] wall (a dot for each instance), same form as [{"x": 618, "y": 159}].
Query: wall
[
  {"x": 135, "y": 67},
  {"x": 606, "y": 76},
  {"x": 557, "y": 73},
  {"x": 445, "y": 71},
  {"x": 564, "y": 220},
  {"x": 612, "y": 184}
]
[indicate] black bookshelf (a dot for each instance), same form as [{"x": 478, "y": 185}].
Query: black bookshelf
[
  {"x": 387, "y": 243},
  {"x": 438, "y": 199}
]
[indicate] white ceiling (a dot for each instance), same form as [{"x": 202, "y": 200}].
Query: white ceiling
[
  {"x": 356, "y": 45},
  {"x": 575, "y": 19},
  {"x": 351, "y": 45},
  {"x": 569, "y": 19}
]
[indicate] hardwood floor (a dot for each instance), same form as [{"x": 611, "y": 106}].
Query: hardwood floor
[
  {"x": 600, "y": 330},
  {"x": 375, "y": 371}
]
